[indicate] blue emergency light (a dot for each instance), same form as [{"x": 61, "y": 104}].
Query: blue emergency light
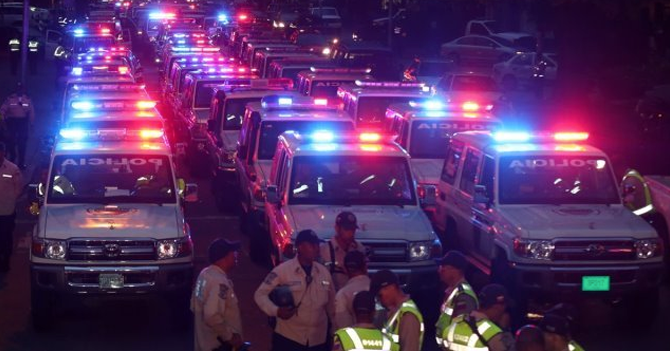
[
  {"x": 322, "y": 136},
  {"x": 75, "y": 134},
  {"x": 82, "y": 105},
  {"x": 77, "y": 71}
]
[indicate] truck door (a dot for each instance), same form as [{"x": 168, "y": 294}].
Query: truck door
[
  {"x": 463, "y": 198},
  {"x": 483, "y": 235},
  {"x": 450, "y": 170}
]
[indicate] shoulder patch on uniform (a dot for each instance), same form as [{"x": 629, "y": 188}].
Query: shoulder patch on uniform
[
  {"x": 223, "y": 291},
  {"x": 270, "y": 278}
]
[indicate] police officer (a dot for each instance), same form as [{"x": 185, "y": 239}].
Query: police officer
[
  {"x": 484, "y": 328},
  {"x": 557, "y": 337},
  {"x": 529, "y": 338},
  {"x": 305, "y": 326},
  {"x": 334, "y": 250},
  {"x": 459, "y": 297},
  {"x": 10, "y": 187},
  {"x": 33, "y": 54},
  {"x": 405, "y": 325},
  {"x": 19, "y": 116},
  {"x": 218, "y": 325},
  {"x": 363, "y": 335},
  {"x": 356, "y": 264}
]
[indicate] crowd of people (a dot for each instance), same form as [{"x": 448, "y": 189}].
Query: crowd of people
[{"x": 324, "y": 299}]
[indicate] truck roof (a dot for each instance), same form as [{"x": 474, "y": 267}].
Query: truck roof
[
  {"x": 407, "y": 111},
  {"x": 359, "y": 91}
]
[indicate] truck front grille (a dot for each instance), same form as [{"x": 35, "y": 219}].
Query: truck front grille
[
  {"x": 593, "y": 250},
  {"x": 386, "y": 252},
  {"x": 111, "y": 250}
]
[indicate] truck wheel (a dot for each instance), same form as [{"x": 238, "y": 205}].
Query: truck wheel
[
  {"x": 180, "y": 310},
  {"x": 260, "y": 248},
  {"x": 450, "y": 236},
  {"x": 42, "y": 306},
  {"x": 642, "y": 308}
]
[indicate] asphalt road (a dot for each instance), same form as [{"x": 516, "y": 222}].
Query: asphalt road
[{"x": 144, "y": 325}]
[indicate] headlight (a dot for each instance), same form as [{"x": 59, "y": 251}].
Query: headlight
[
  {"x": 420, "y": 250},
  {"x": 51, "y": 249},
  {"x": 173, "y": 248},
  {"x": 535, "y": 249},
  {"x": 648, "y": 248}
]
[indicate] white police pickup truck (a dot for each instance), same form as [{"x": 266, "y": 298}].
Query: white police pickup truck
[
  {"x": 111, "y": 224},
  {"x": 315, "y": 176},
  {"x": 542, "y": 214}
]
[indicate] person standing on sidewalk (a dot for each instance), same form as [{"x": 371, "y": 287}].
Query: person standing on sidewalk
[
  {"x": 10, "y": 188},
  {"x": 19, "y": 116}
]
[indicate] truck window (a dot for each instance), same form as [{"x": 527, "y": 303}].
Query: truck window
[
  {"x": 470, "y": 167},
  {"x": 243, "y": 148},
  {"x": 487, "y": 178},
  {"x": 283, "y": 175},
  {"x": 452, "y": 162}
]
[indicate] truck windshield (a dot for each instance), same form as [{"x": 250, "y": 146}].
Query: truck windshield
[
  {"x": 373, "y": 108},
  {"x": 270, "y": 131},
  {"x": 473, "y": 83},
  {"x": 351, "y": 180},
  {"x": 557, "y": 180},
  {"x": 111, "y": 178},
  {"x": 430, "y": 137},
  {"x": 234, "y": 112}
]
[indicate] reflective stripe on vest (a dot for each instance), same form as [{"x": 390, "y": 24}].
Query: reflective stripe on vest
[
  {"x": 574, "y": 346},
  {"x": 355, "y": 339},
  {"x": 447, "y": 314},
  {"x": 460, "y": 337},
  {"x": 393, "y": 324}
]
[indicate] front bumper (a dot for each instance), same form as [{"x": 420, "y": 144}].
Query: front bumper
[
  {"x": 567, "y": 280},
  {"x": 65, "y": 279},
  {"x": 413, "y": 278}
]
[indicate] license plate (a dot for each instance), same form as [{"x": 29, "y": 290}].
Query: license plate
[
  {"x": 110, "y": 281},
  {"x": 596, "y": 283}
]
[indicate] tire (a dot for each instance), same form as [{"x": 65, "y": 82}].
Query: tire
[
  {"x": 42, "y": 308},
  {"x": 509, "y": 83},
  {"x": 450, "y": 238},
  {"x": 642, "y": 308},
  {"x": 181, "y": 317}
]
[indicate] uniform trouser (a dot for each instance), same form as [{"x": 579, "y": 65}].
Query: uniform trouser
[
  {"x": 17, "y": 139},
  {"x": 7, "y": 224},
  {"x": 280, "y": 343}
]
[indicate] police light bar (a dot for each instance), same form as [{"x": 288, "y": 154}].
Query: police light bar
[
  {"x": 222, "y": 18},
  {"x": 243, "y": 17},
  {"x": 78, "y": 31},
  {"x": 162, "y": 15},
  {"x": 195, "y": 49},
  {"x": 279, "y": 101},
  {"x": 340, "y": 70},
  {"x": 106, "y": 133},
  {"x": 327, "y": 136},
  {"x": 361, "y": 83},
  {"x": 439, "y": 105},
  {"x": 77, "y": 71},
  {"x": 108, "y": 87},
  {"x": 112, "y": 104},
  {"x": 123, "y": 70},
  {"x": 520, "y": 136}
]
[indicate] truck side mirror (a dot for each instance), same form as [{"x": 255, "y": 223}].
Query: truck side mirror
[
  {"x": 272, "y": 195},
  {"x": 481, "y": 195},
  {"x": 429, "y": 195},
  {"x": 191, "y": 192}
]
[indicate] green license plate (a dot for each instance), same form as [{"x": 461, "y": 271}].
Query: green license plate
[{"x": 596, "y": 283}]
